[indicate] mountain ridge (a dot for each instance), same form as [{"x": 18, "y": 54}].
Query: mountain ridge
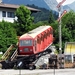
[
  {"x": 39, "y": 3},
  {"x": 48, "y": 4},
  {"x": 72, "y": 5}
]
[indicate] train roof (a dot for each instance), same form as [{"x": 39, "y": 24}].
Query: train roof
[{"x": 33, "y": 33}]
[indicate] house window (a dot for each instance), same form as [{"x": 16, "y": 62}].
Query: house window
[
  {"x": 10, "y": 14},
  {"x": 3, "y": 13}
]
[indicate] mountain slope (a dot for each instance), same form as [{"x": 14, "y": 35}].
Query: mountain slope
[
  {"x": 72, "y": 6},
  {"x": 66, "y": 7},
  {"x": 48, "y": 4},
  {"x": 40, "y": 3},
  {"x": 52, "y": 4}
]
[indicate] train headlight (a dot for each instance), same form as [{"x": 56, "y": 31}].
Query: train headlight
[
  {"x": 20, "y": 50},
  {"x": 31, "y": 50}
]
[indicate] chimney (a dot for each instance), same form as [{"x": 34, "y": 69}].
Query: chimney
[{"x": 0, "y": 1}]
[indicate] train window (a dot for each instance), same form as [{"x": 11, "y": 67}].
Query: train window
[
  {"x": 41, "y": 38},
  {"x": 51, "y": 31},
  {"x": 45, "y": 35},
  {"x": 48, "y": 33},
  {"x": 25, "y": 42},
  {"x": 37, "y": 40}
]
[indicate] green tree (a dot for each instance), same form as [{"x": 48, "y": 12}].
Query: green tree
[
  {"x": 68, "y": 29},
  {"x": 7, "y": 35},
  {"x": 51, "y": 17},
  {"x": 43, "y": 15},
  {"x": 24, "y": 20},
  {"x": 69, "y": 22}
]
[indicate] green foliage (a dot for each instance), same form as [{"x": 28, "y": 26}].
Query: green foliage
[
  {"x": 68, "y": 29},
  {"x": 24, "y": 19},
  {"x": 40, "y": 23},
  {"x": 1, "y": 56},
  {"x": 69, "y": 22},
  {"x": 7, "y": 35},
  {"x": 51, "y": 17},
  {"x": 43, "y": 15}
]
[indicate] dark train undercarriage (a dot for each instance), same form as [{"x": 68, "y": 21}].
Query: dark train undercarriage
[{"x": 25, "y": 62}]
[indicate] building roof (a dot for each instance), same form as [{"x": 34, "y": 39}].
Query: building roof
[{"x": 13, "y": 6}]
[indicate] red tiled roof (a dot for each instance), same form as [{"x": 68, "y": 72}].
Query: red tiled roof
[{"x": 13, "y": 6}]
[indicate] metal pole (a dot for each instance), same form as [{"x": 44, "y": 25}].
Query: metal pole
[
  {"x": 19, "y": 71},
  {"x": 60, "y": 35},
  {"x": 54, "y": 67}
]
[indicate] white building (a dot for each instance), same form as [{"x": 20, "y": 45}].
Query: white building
[{"x": 7, "y": 11}]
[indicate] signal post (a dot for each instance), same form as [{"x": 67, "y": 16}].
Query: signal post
[
  {"x": 59, "y": 20},
  {"x": 61, "y": 58}
]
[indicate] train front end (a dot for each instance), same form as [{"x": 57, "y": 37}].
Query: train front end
[{"x": 26, "y": 45}]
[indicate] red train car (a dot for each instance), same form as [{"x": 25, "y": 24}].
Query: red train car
[{"x": 36, "y": 41}]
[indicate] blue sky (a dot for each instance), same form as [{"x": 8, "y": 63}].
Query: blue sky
[{"x": 66, "y": 2}]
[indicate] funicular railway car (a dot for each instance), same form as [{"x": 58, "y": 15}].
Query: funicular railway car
[
  {"x": 35, "y": 43},
  {"x": 36, "y": 40},
  {"x": 31, "y": 46}
]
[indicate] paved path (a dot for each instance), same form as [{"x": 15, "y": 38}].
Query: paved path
[{"x": 38, "y": 72}]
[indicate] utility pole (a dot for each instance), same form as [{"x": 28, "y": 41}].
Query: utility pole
[{"x": 60, "y": 34}]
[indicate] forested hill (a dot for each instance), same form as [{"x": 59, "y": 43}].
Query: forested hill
[{"x": 43, "y": 15}]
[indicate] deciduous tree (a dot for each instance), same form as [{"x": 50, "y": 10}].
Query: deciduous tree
[
  {"x": 7, "y": 35},
  {"x": 24, "y": 19}
]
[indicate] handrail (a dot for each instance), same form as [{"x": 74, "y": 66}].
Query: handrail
[
  {"x": 7, "y": 53},
  {"x": 14, "y": 55}
]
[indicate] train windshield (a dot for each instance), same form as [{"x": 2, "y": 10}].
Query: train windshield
[{"x": 25, "y": 42}]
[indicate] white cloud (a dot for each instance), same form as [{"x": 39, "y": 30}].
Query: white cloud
[{"x": 66, "y": 2}]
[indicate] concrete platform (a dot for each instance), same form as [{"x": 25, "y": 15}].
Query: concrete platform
[{"x": 39, "y": 72}]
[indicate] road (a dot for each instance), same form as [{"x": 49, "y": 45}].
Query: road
[{"x": 38, "y": 72}]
